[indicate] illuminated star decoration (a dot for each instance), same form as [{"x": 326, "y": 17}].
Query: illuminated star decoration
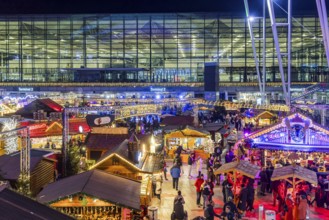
[{"x": 10, "y": 136}]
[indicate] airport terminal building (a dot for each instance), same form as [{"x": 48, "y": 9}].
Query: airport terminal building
[{"x": 149, "y": 48}]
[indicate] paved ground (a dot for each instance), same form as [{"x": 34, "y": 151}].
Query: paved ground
[{"x": 165, "y": 206}]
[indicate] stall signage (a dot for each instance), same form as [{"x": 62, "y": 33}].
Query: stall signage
[
  {"x": 37, "y": 126},
  {"x": 157, "y": 89},
  {"x": 322, "y": 137},
  {"x": 273, "y": 136},
  {"x": 25, "y": 89}
]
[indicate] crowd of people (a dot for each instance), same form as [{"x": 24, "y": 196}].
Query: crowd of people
[{"x": 238, "y": 202}]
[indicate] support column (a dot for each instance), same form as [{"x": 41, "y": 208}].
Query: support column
[
  {"x": 226, "y": 95},
  {"x": 323, "y": 117}
]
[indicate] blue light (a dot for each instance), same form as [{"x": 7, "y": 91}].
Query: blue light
[
  {"x": 181, "y": 96},
  {"x": 143, "y": 97},
  {"x": 158, "y": 97}
]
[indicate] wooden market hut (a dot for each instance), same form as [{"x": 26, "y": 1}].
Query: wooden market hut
[
  {"x": 264, "y": 119},
  {"x": 93, "y": 194},
  {"x": 187, "y": 137},
  {"x": 122, "y": 161},
  {"x": 17, "y": 206},
  {"x": 42, "y": 167}
]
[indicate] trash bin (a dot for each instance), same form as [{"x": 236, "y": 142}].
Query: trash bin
[
  {"x": 153, "y": 212},
  {"x": 270, "y": 215}
]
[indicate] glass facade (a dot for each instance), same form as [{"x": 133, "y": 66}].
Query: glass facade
[{"x": 148, "y": 48}]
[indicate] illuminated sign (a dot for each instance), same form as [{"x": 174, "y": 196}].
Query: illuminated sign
[
  {"x": 25, "y": 89},
  {"x": 157, "y": 89},
  {"x": 37, "y": 126}
]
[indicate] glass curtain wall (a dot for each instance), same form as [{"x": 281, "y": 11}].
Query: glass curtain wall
[{"x": 148, "y": 48}]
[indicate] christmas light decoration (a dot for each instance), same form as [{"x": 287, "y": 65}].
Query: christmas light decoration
[{"x": 10, "y": 136}]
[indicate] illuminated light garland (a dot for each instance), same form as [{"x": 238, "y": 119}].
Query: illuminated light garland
[{"x": 10, "y": 136}]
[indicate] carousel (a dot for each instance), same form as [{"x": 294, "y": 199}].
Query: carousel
[{"x": 295, "y": 133}]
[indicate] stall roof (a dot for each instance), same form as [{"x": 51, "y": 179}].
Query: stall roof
[
  {"x": 214, "y": 127},
  {"x": 295, "y": 171},
  {"x": 105, "y": 186},
  {"x": 149, "y": 164},
  {"x": 188, "y": 132},
  {"x": 55, "y": 128},
  {"x": 153, "y": 163},
  {"x": 104, "y": 141},
  {"x": 265, "y": 115},
  {"x": 47, "y": 105},
  {"x": 16, "y": 206},
  {"x": 244, "y": 167},
  {"x": 178, "y": 120},
  {"x": 10, "y": 163}
]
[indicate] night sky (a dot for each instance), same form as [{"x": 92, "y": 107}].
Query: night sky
[{"x": 235, "y": 7}]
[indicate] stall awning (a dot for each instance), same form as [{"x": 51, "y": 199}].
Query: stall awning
[
  {"x": 295, "y": 171},
  {"x": 244, "y": 167}
]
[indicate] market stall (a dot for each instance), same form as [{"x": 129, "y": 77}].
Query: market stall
[
  {"x": 236, "y": 171},
  {"x": 94, "y": 194},
  {"x": 265, "y": 118},
  {"x": 189, "y": 138},
  {"x": 295, "y": 132}
]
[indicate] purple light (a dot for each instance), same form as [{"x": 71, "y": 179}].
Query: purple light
[{"x": 246, "y": 134}]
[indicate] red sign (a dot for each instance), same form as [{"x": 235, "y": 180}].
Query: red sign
[{"x": 37, "y": 126}]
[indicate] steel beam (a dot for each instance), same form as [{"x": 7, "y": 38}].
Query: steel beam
[
  {"x": 280, "y": 54},
  {"x": 261, "y": 78},
  {"x": 323, "y": 17}
]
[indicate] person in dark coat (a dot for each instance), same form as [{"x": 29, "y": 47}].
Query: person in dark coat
[
  {"x": 179, "y": 212},
  {"x": 179, "y": 150},
  {"x": 250, "y": 195},
  {"x": 209, "y": 212},
  {"x": 232, "y": 206},
  {"x": 263, "y": 181},
  {"x": 226, "y": 189},
  {"x": 243, "y": 198},
  {"x": 269, "y": 172}
]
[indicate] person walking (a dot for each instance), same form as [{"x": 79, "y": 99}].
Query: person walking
[
  {"x": 199, "y": 165},
  {"x": 242, "y": 206},
  {"x": 232, "y": 206},
  {"x": 226, "y": 189},
  {"x": 263, "y": 181},
  {"x": 158, "y": 187},
  {"x": 198, "y": 184},
  {"x": 250, "y": 195},
  {"x": 175, "y": 172},
  {"x": 289, "y": 207},
  {"x": 206, "y": 193},
  {"x": 190, "y": 162},
  {"x": 209, "y": 212},
  {"x": 302, "y": 208},
  {"x": 179, "y": 212}
]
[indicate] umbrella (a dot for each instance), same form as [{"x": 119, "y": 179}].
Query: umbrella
[
  {"x": 244, "y": 167},
  {"x": 294, "y": 172}
]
